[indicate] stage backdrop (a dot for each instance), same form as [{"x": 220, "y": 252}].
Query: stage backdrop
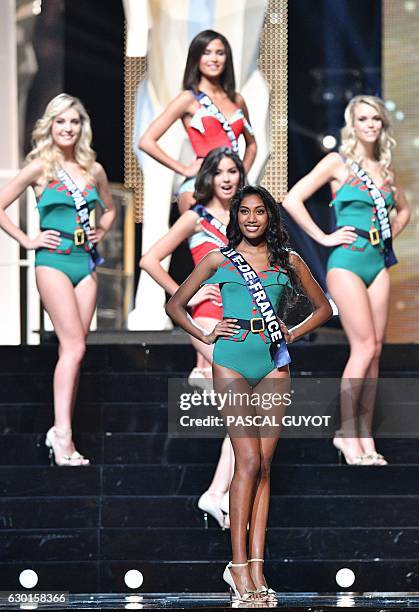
[{"x": 401, "y": 92}]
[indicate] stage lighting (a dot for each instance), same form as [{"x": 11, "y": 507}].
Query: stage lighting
[
  {"x": 345, "y": 577},
  {"x": 410, "y": 6},
  {"x": 133, "y": 579},
  {"x": 390, "y": 105},
  {"x": 28, "y": 578},
  {"x": 37, "y": 7},
  {"x": 329, "y": 142},
  {"x": 399, "y": 115}
]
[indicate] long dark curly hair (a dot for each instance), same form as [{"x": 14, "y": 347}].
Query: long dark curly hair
[{"x": 276, "y": 235}]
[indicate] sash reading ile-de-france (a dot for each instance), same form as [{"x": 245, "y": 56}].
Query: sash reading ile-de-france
[
  {"x": 82, "y": 208},
  {"x": 210, "y": 225},
  {"x": 212, "y": 108},
  {"x": 280, "y": 354},
  {"x": 381, "y": 211}
]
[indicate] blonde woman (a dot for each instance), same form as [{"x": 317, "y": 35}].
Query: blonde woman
[
  {"x": 62, "y": 169},
  {"x": 365, "y": 190}
]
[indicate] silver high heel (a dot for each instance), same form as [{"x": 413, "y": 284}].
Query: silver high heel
[
  {"x": 264, "y": 590},
  {"x": 228, "y": 578},
  {"x": 66, "y": 460},
  {"x": 212, "y": 506}
]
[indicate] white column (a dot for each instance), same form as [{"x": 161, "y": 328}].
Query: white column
[{"x": 9, "y": 161}]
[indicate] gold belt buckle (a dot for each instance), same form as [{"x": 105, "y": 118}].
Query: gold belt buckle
[
  {"x": 374, "y": 236},
  {"x": 260, "y": 325},
  {"x": 79, "y": 237}
]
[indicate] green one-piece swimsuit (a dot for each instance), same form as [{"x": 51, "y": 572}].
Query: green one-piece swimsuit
[
  {"x": 246, "y": 352},
  {"x": 57, "y": 211},
  {"x": 353, "y": 206}
]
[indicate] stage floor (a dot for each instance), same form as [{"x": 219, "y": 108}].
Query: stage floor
[{"x": 303, "y": 602}]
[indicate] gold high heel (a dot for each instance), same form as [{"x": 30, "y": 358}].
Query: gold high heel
[
  {"x": 376, "y": 458},
  {"x": 248, "y": 595},
  {"x": 350, "y": 460},
  {"x": 66, "y": 460},
  {"x": 264, "y": 590}
]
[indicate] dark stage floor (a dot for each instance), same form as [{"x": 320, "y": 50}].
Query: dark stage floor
[{"x": 303, "y": 602}]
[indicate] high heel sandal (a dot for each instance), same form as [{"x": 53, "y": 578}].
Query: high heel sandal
[
  {"x": 210, "y": 503},
  {"x": 264, "y": 590},
  {"x": 350, "y": 460},
  {"x": 225, "y": 508},
  {"x": 198, "y": 379},
  {"x": 66, "y": 460},
  {"x": 248, "y": 595},
  {"x": 376, "y": 458}
]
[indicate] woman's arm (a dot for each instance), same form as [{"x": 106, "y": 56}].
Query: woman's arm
[
  {"x": 176, "y": 306},
  {"x": 251, "y": 146},
  {"x": 404, "y": 212},
  {"x": 27, "y": 177},
  {"x": 107, "y": 217},
  {"x": 324, "y": 172},
  {"x": 151, "y": 260},
  {"x": 322, "y": 309},
  {"x": 148, "y": 141}
]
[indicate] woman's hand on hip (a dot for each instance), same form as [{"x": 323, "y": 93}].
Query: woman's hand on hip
[
  {"x": 206, "y": 292},
  {"x": 287, "y": 333},
  {"x": 193, "y": 169},
  {"x": 49, "y": 239},
  {"x": 96, "y": 235},
  {"x": 226, "y": 327},
  {"x": 343, "y": 235}
]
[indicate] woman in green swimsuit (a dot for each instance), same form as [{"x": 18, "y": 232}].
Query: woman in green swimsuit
[
  {"x": 357, "y": 277},
  {"x": 64, "y": 274},
  {"x": 243, "y": 363}
]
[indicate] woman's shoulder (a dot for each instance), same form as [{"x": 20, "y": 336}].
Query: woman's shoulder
[
  {"x": 239, "y": 100},
  {"x": 186, "y": 97},
  {"x": 296, "y": 260},
  {"x": 34, "y": 168},
  {"x": 333, "y": 160},
  {"x": 214, "y": 258},
  {"x": 98, "y": 172}
]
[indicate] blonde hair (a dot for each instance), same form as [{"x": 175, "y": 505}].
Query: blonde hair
[
  {"x": 384, "y": 144},
  {"x": 43, "y": 145}
]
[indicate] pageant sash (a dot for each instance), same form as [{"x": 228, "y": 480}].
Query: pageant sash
[
  {"x": 212, "y": 108},
  {"x": 382, "y": 213},
  {"x": 211, "y": 226},
  {"x": 82, "y": 208},
  {"x": 258, "y": 294}
]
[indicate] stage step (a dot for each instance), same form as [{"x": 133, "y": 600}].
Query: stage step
[{"x": 81, "y": 529}]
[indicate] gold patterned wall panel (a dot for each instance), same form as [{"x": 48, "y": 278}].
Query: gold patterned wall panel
[
  {"x": 134, "y": 72},
  {"x": 273, "y": 62},
  {"x": 401, "y": 92}
]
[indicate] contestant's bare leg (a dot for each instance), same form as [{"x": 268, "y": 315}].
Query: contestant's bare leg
[
  {"x": 86, "y": 294},
  {"x": 379, "y": 296},
  {"x": 277, "y": 381},
  {"x": 59, "y": 299},
  {"x": 351, "y": 297},
  {"x": 185, "y": 201},
  {"x": 243, "y": 484}
]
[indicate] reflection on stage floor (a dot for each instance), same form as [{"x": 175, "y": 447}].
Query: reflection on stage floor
[{"x": 298, "y": 602}]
